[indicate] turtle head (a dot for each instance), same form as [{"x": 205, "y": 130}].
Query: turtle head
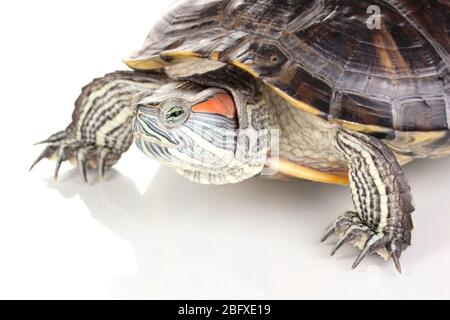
[{"x": 197, "y": 130}]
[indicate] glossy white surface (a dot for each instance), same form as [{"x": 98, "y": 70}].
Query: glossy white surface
[{"x": 146, "y": 232}]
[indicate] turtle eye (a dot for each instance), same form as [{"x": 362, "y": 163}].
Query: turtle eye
[
  {"x": 175, "y": 115},
  {"x": 173, "y": 112}
]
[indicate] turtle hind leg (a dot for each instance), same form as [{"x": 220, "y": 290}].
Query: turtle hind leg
[
  {"x": 381, "y": 194},
  {"x": 101, "y": 128}
]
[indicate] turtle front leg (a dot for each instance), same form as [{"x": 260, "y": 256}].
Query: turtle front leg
[
  {"x": 381, "y": 221},
  {"x": 101, "y": 128}
]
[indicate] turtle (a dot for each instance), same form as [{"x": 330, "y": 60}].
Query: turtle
[{"x": 332, "y": 91}]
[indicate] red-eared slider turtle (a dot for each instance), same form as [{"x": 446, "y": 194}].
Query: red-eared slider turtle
[{"x": 331, "y": 91}]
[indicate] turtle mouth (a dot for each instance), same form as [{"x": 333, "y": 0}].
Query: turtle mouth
[
  {"x": 155, "y": 151},
  {"x": 153, "y": 140}
]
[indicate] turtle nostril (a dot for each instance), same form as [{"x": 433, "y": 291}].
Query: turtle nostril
[
  {"x": 146, "y": 110},
  {"x": 139, "y": 106}
]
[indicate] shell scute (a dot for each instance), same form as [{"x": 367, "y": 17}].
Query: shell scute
[{"x": 322, "y": 58}]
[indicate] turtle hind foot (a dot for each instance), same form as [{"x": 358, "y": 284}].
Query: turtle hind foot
[
  {"x": 351, "y": 229},
  {"x": 61, "y": 147}
]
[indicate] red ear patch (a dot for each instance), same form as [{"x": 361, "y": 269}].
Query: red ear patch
[{"x": 221, "y": 104}]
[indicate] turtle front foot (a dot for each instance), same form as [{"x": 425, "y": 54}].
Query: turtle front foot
[
  {"x": 351, "y": 229},
  {"x": 60, "y": 147}
]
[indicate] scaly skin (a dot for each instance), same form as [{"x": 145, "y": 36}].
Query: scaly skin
[
  {"x": 383, "y": 202},
  {"x": 102, "y": 130}
]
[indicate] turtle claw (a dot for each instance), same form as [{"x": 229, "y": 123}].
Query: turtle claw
[
  {"x": 372, "y": 244},
  {"x": 396, "y": 259},
  {"x": 348, "y": 237},
  {"x": 351, "y": 234},
  {"x": 102, "y": 155},
  {"x": 61, "y": 148},
  {"x": 338, "y": 245},
  {"x": 62, "y": 156},
  {"x": 81, "y": 162},
  {"x": 351, "y": 229},
  {"x": 330, "y": 231},
  {"x": 47, "y": 153},
  {"x": 395, "y": 250}
]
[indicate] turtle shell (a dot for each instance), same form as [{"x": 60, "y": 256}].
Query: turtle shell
[{"x": 321, "y": 56}]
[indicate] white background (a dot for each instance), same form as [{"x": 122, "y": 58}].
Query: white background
[{"x": 148, "y": 233}]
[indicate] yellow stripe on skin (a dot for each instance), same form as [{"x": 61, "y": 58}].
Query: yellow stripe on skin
[{"x": 295, "y": 170}]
